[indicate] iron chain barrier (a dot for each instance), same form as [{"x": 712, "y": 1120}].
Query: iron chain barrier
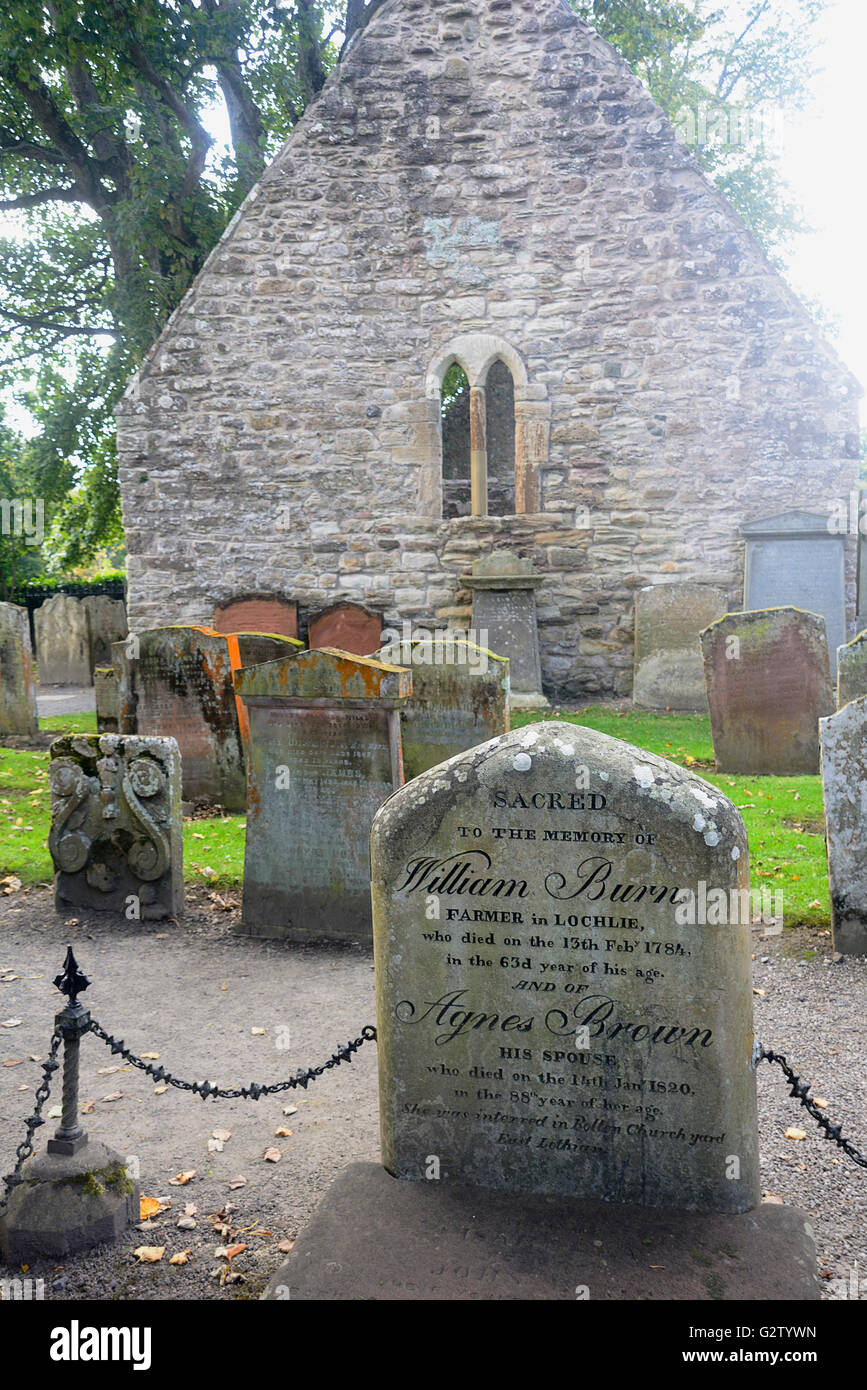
[
  {"x": 25, "y": 1148},
  {"x": 801, "y": 1092}
]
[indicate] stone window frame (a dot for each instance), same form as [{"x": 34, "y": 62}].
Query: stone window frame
[{"x": 476, "y": 353}]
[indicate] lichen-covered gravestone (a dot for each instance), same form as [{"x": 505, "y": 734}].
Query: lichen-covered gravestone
[
  {"x": 852, "y": 670},
  {"x": 115, "y": 836},
  {"x": 105, "y": 694},
  {"x": 768, "y": 684},
  {"x": 504, "y": 586},
  {"x": 844, "y": 789},
  {"x": 62, "y": 630},
  {"x": 325, "y": 753},
  {"x": 551, "y": 1016},
  {"x": 255, "y": 648},
  {"x": 669, "y": 619},
  {"x": 106, "y": 625},
  {"x": 17, "y": 682},
  {"x": 460, "y": 697},
  {"x": 182, "y": 683}
]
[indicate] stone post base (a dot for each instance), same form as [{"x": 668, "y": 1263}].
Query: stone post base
[{"x": 68, "y": 1203}]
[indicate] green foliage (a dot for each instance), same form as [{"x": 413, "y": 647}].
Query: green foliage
[{"x": 455, "y": 384}]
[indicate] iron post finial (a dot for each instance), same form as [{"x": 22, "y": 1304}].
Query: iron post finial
[{"x": 71, "y": 981}]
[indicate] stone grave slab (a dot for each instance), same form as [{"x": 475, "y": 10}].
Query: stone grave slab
[
  {"x": 460, "y": 697},
  {"x": 346, "y": 627},
  {"x": 258, "y": 613},
  {"x": 669, "y": 618},
  {"x": 768, "y": 682},
  {"x": 62, "y": 630},
  {"x": 182, "y": 685},
  {"x": 325, "y": 752},
  {"x": 17, "y": 680},
  {"x": 844, "y": 790},
  {"x": 564, "y": 1001},
  {"x": 115, "y": 837},
  {"x": 852, "y": 670},
  {"x": 107, "y": 624},
  {"x": 793, "y": 559},
  {"x": 105, "y": 691},
  {"x": 504, "y": 586}
]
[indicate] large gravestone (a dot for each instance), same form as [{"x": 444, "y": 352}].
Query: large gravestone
[
  {"x": 545, "y": 1023},
  {"x": 768, "y": 683},
  {"x": 460, "y": 697},
  {"x": 106, "y": 625},
  {"x": 182, "y": 686},
  {"x": 115, "y": 836},
  {"x": 852, "y": 670},
  {"x": 669, "y": 619},
  {"x": 346, "y": 627},
  {"x": 844, "y": 788},
  {"x": 795, "y": 559},
  {"x": 259, "y": 613},
  {"x": 325, "y": 753},
  {"x": 17, "y": 681},
  {"x": 105, "y": 694},
  {"x": 504, "y": 588},
  {"x": 62, "y": 629}
]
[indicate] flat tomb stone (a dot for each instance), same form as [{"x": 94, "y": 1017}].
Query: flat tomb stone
[
  {"x": 768, "y": 682},
  {"x": 669, "y": 619},
  {"x": 551, "y": 1015},
  {"x": 18, "y": 714}
]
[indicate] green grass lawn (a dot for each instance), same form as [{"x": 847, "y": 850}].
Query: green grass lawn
[{"x": 783, "y": 815}]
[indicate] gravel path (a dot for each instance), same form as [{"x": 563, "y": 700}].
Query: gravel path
[
  {"x": 65, "y": 699},
  {"x": 194, "y": 993}
]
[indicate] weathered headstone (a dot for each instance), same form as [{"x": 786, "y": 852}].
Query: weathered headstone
[
  {"x": 346, "y": 627},
  {"x": 255, "y": 648},
  {"x": 325, "y": 753},
  {"x": 852, "y": 670},
  {"x": 62, "y": 629},
  {"x": 797, "y": 559},
  {"x": 122, "y": 653},
  {"x": 504, "y": 618},
  {"x": 460, "y": 697},
  {"x": 17, "y": 681},
  {"x": 560, "y": 1009},
  {"x": 669, "y": 619},
  {"x": 844, "y": 789},
  {"x": 107, "y": 624},
  {"x": 182, "y": 685},
  {"x": 259, "y": 613},
  {"x": 768, "y": 683},
  {"x": 105, "y": 692},
  {"x": 115, "y": 836}
]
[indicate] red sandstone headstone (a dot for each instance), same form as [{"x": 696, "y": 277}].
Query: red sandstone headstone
[
  {"x": 276, "y": 615},
  {"x": 348, "y": 627}
]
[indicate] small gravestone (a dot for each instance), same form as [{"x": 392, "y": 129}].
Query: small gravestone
[
  {"x": 460, "y": 697},
  {"x": 798, "y": 559},
  {"x": 115, "y": 837},
  {"x": 17, "y": 680},
  {"x": 107, "y": 624},
  {"x": 504, "y": 588},
  {"x": 844, "y": 789},
  {"x": 122, "y": 654},
  {"x": 669, "y": 619},
  {"x": 62, "y": 629},
  {"x": 346, "y": 627},
  {"x": 182, "y": 686},
  {"x": 325, "y": 752},
  {"x": 768, "y": 684},
  {"x": 545, "y": 1022},
  {"x": 105, "y": 693},
  {"x": 260, "y": 613},
  {"x": 255, "y": 648},
  {"x": 852, "y": 670}
]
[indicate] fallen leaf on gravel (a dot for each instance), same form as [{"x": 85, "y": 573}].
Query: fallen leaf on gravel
[
  {"x": 115, "y": 1095},
  {"x": 190, "y": 1209},
  {"x": 33, "y": 1058},
  {"x": 24, "y": 1088},
  {"x": 148, "y": 1206},
  {"x": 186, "y": 1223},
  {"x": 231, "y": 1276},
  {"x": 181, "y": 1179},
  {"x": 272, "y": 1155},
  {"x": 821, "y": 1102},
  {"x": 793, "y": 1133},
  {"x": 181, "y": 1258},
  {"x": 107, "y": 1071},
  {"x": 290, "y": 1109},
  {"x": 14, "y": 1062},
  {"x": 257, "y": 1032},
  {"x": 87, "y": 1107},
  {"x": 234, "y": 1250},
  {"x": 282, "y": 1133},
  {"x": 160, "y": 1090},
  {"x": 16, "y": 1023},
  {"x": 285, "y": 1246},
  {"x": 151, "y": 1056},
  {"x": 223, "y": 1134},
  {"x": 149, "y": 1254},
  {"x": 760, "y": 993},
  {"x": 215, "y": 1146},
  {"x": 237, "y": 1182},
  {"x": 55, "y": 1112},
  {"x": 772, "y": 1201}
]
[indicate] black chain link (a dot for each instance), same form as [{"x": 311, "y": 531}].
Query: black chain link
[
  {"x": 25, "y": 1148},
  {"x": 802, "y": 1093},
  {"x": 253, "y": 1091}
]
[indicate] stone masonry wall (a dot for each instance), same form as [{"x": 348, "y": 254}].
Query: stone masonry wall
[{"x": 481, "y": 167}]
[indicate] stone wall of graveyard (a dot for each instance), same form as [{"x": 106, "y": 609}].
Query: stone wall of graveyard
[{"x": 478, "y": 180}]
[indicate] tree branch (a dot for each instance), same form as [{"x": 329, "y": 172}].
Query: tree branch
[{"x": 45, "y": 195}]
